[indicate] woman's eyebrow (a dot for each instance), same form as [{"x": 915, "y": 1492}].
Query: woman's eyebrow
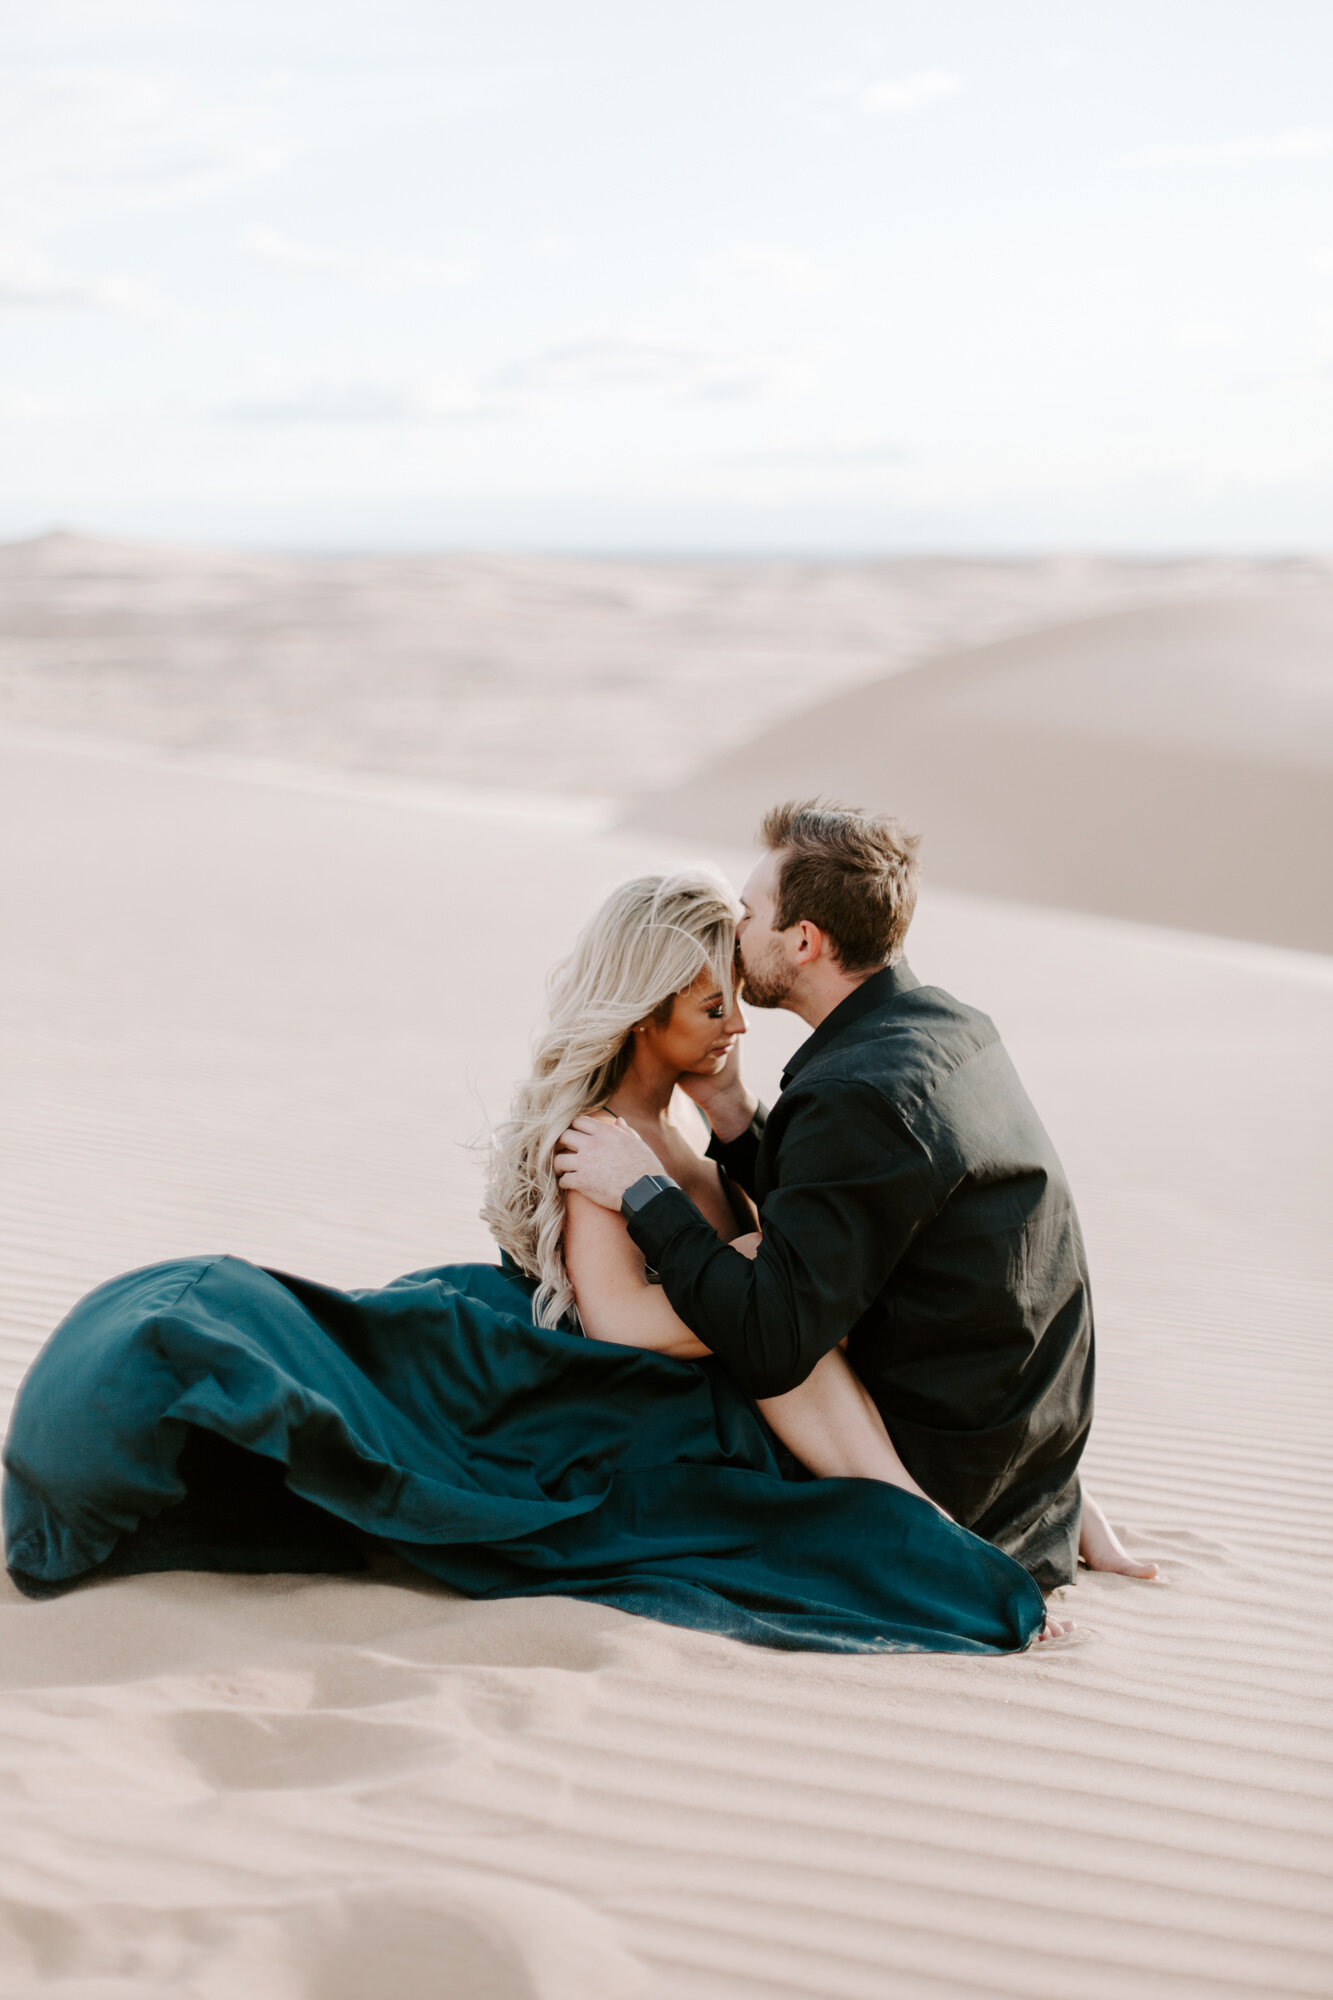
[{"x": 712, "y": 997}]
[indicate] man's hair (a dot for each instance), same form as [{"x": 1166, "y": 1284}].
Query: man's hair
[{"x": 852, "y": 873}]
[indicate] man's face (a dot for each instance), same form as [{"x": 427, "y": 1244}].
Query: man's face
[{"x": 766, "y": 966}]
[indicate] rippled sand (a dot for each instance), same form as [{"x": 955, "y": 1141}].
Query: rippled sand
[{"x": 269, "y": 1019}]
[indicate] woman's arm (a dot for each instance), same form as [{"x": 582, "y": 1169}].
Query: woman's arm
[{"x": 614, "y": 1298}]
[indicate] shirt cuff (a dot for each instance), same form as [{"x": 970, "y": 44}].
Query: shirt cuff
[{"x": 660, "y": 1221}]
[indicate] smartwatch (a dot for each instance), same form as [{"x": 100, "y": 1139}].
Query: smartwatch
[{"x": 642, "y": 1192}]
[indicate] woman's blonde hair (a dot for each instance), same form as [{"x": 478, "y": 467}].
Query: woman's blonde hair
[{"x": 649, "y": 941}]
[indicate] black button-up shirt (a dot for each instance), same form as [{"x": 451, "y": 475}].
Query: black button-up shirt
[{"x": 910, "y": 1198}]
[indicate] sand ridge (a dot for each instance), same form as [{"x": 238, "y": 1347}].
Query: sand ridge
[
  {"x": 235, "y": 1015},
  {"x": 1171, "y": 763}
]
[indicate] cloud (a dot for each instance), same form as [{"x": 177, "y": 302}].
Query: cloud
[
  {"x": 570, "y": 372},
  {"x": 83, "y": 141},
  {"x": 1204, "y": 336},
  {"x": 896, "y": 94},
  {"x": 372, "y": 273},
  {"x": 596, "y": 365},
  {"x": 602, "y": 367},
  {"x": 266, "y": 246},
  {"x": 830, "y": 457},
  {"x": 788, "y": 271},
  {"x": 87, "y": 140},
  {"x": 893, "y": 96},
  {"x": 30, "y": 282},
  {"x": 358, "y": 404},
  {"x": 21, "y": 409},
  {"x": 1307, "y": 142}
]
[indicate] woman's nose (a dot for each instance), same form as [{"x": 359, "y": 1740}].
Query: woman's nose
[{"x": 736, "y": 1021}]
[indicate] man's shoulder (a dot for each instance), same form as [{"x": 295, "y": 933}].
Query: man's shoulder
[{"x": 902, "y": 1051}]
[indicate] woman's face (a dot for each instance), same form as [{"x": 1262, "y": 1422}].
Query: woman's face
[{"x": 700, "y": 1033}]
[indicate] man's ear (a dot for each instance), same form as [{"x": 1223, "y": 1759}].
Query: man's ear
[{"x": 810, "y": 944}]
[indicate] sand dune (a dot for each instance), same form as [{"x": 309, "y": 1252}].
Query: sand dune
[
  {"x": 239, "y": 1015},
  {"x": 601, "y": 678},
  {"x": 1170, "y": 764}
]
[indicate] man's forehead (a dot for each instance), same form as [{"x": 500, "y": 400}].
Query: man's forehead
[{"x": 761, "y": 879}]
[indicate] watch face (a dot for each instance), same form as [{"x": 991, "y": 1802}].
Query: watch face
[{"x": 642, "y": 1192}]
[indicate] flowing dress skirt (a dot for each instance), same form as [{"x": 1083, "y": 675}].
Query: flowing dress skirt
[{"x": 206, "y": 1414}]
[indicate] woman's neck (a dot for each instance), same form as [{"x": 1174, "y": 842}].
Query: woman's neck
[{"x": 643, "y": 1095}]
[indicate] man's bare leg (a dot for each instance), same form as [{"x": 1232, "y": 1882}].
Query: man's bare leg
[{"x": 1100, "y": 1547}]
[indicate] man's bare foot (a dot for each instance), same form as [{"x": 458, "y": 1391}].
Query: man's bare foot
[{"x": 1100, "y": 1547}]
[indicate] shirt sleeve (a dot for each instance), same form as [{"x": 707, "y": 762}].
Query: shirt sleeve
[
  {"x": 854, "y": 1186},
  {"x": 740, "y": 1156}
]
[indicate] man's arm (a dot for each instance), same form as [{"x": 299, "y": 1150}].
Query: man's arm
[{"x": 854, "y": 1187}]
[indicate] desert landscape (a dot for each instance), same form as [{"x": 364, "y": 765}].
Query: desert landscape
[{"x": 290, "y": 845}]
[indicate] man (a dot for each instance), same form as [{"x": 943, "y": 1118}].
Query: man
[{"x": 910, "y": 1203}]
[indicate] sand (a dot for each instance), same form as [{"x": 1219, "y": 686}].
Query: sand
[
  {"x": 604, "y": 679},
  {"x": 269, "y": 1018},
  {"x": 1170, "y": 764}
]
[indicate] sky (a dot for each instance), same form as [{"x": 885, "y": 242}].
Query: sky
[{"x": 692, "y": 276}]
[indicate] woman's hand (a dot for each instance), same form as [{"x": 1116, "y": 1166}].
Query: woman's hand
[{"x": 723, "y": 1098}]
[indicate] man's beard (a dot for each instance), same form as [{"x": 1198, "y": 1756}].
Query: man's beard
[{"x": 767, "y": 983}]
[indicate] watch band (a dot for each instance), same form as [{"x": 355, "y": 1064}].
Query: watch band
[{"x": 643, "y": 1191}]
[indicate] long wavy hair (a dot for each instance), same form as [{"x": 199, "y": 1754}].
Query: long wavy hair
[{"x": 649, "y": 941}]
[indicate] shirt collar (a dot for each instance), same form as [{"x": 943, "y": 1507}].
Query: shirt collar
[{"x": 880, "y": 990}]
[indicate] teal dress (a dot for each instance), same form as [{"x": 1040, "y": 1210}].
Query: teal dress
[{"x": 206, "y": 1414}]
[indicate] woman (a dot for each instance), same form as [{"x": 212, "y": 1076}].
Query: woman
[{"x": 206, "y": 1414}]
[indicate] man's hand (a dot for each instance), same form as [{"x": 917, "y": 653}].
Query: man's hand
[
  {"x": 601, "y": 1156},
  {"x": 723, "y": 1098}
]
